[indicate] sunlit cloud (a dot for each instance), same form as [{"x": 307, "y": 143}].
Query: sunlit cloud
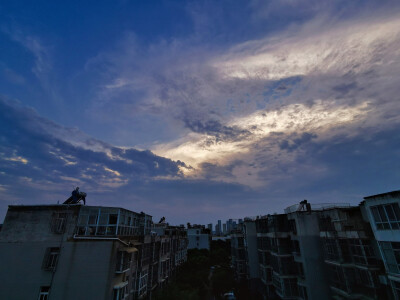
[
  {"x": 343, "y": 48},
  {"x": 319, "y": 118},
  {"x": 116, "y": 173},
  {"x": 17, "y": 159}
]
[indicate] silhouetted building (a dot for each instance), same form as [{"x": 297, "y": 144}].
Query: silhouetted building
[
  {"x": 210, "y": 227},
  {"x": 218, "y": 228},
  {"x": 82, "y": 252}
]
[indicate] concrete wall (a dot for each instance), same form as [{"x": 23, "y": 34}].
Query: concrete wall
[
  {"x": 251, "y": 244},
  {"x": 84, "y": 270},
  {"x": 311, "y": 254},
  {"x": 197, "y": 239}
]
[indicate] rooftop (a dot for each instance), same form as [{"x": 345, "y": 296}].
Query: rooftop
[
  {"x": 59, "y": 206},
  {"x": 317, "y": 206},
  {"x": 391, "y": 194}
]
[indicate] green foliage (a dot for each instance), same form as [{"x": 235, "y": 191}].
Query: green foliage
[
  {"x": 222, "y": 281},
  {"x": 192, "y": 279}
]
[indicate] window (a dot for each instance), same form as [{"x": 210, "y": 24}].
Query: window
[
  {"x": 113, "y": 219},
  {"x": 337, "y": 277},
  {"x": 331, "y": 249},
  {"x": 120, "y": 293},
  {"x": 123, "y": 261},
  {"x": 296, "y": 247},
  {"x": 44, "y": 293},
  {"x": 362, "y": 252},
  {"x": 391, "y": 253},
  {"x": 366, "y": 278},
  {"x": 303, "y": 292},
  {"x": 396, "y": 289},
  {"x": 58, "y": 222},
  {"x": 143, "y": 282},
  {"x": 386, "y": 216},
  {"x": 277, "y": 283},
  {"x": 300, "y": 270},
  {"x": 51, "y": 258},
  {"x": 292, "y": 226},
  {"x": 290, "y": 285}
]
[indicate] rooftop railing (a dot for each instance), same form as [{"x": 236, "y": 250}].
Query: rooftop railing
[{"x": 317, "y": 206}]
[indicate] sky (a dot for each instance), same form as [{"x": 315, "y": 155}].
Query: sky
[{"x": 199, "y": 110}]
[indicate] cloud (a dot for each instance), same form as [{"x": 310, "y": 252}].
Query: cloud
[
  {"x": 347, "y": 47},
  {"x": 260, "y": 101},
  {"x": 42, "y": 57},
  {"x": 51, "y": 153}
]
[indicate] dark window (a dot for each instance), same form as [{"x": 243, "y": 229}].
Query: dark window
[
  {"x": 303, "y": 292},
  {"x": 44, "y": 293},
  {"x": 396, "y": 288},
  {"x": 391, "y": 253},
  {"x": 58, "y": 222},
  {"x": 331, "y": 249},
  {"x": 51, "y": 258},
  {"x": 93, "y": 219},
  {"x": 113, "y": 219}
]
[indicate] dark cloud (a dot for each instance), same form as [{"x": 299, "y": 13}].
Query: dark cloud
[
  {"x": 216, "y": 129},
  {"x": 345, "y": 88},
  {"x": 215, "y": 171},
  {"x": 296, "y": 142},
  {"x": 26, "y": 136}
]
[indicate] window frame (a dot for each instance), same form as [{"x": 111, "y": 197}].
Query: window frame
[
  {"x": 51, "y": 258},
  {"x": 44, "y": 295},
  {"x": 386, "y": 216}
]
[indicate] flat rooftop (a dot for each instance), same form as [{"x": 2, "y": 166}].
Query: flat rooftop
[
  {"x": 27, "y": 207},
  {"x": 388, "y": 194}
]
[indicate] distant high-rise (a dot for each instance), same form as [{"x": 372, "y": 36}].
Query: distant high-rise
[
  {"x": 224, "y": 228},
  {"x": 210, "y": 227},
  {"x": 219, "y": 228},
  {"x": 229, "y": 225}
]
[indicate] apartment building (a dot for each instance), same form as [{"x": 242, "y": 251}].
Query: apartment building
[
  {"x": 251, "y": 253},
  {"x": 312, "y": 279},
  {"x": 278, "y": 270},
  {"x": 238, "y": 255},
  {"x": 324, "y": 251},
  {"x": 78, "y": 252},
  {"x": 354, "y": 263},
  {"x": 383, "y": 213},
  {"x": 198, "y": 236}
]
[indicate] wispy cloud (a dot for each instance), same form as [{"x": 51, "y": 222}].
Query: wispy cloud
[
  {"x": 42, "y": 56},
  {"x": 323, "y": 78}
]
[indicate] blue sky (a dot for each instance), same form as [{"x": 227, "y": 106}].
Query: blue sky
[{"x": 199, "y": 110}]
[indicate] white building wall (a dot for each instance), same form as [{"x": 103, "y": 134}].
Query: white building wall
[
  {"x": 197, "y": 239},
  {"x": 389, "y": 238}
]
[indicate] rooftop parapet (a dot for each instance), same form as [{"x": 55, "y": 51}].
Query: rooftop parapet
[{"x": 316, "y": 206}]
